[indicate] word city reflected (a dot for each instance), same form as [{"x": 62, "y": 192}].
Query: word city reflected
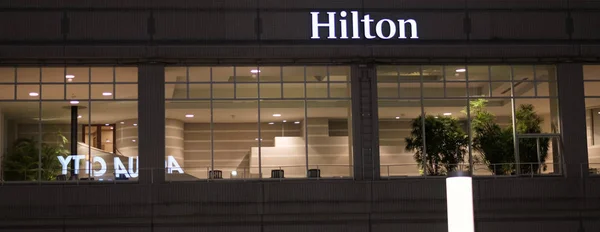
[
  {"x": 395, "y": 28},
  {"x": 119, "y": 169}
]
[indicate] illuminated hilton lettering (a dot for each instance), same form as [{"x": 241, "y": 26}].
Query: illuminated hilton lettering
[{"x": 398, "y": 30}]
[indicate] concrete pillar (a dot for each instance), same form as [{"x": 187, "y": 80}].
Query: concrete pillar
[
  {"x": 572, "y": 115},
  {"x": 365, "y": 123},
  {"x": 151, "y": 126}
]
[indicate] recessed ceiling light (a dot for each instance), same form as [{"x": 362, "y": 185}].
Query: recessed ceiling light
[
  {"x": 34, "y": 94},
  {"x": 107, "y": 124},
  {"x": 189, "y": 115},
  {"x": 276, "y": 115},
  {"x": 436, "y": 117},
  {"x": 135, "y": 124},
  {"x": 234, "y": 173},
  {"x": 254, "y": 71},
  {"x": 460, "y": 70},
  {"x": 397, "y": 117},
  {"x": 447, "y": 114},
  {"x": 122, "y": 122},
  {"x": 284, "y": 120},
  {"x": 271, "y": 123},
  {"x": 257, "y": 139},
  {"x": 69, "y": 76},
  {"x": 74, "y": 102},
  {"x": 79, "y": 116},
  {"x": 108, "y": 141},
  {"x": 133, "y": 140},
  {"x": 112, "y": 128},
  {"x": 107, "y": 94},
  {"x": 296, "y": 122}
]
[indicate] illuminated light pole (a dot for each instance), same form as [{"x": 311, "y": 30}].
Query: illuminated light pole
[{"x": 459, "y": 197}]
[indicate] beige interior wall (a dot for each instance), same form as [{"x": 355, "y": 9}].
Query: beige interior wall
[{"x": 126, "y": 137}]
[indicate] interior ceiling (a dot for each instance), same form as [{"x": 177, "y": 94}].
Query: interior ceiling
[{"x": 229, "y": 111}]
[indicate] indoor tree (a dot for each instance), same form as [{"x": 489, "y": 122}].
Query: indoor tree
[
  {"x": 496, "y": 144},
  {"x": 445, "y": 144},
  {"x": 21, "y": 163}
]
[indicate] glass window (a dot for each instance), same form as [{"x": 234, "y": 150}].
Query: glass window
[
  {"x": 48, "y": 104},
  {"x": 437, "y": 119},
  {"x": 280, "y": 127},
  {"x": 591, "y": 76}
]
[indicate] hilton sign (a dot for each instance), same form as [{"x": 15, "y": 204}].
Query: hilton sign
[{"x": 395, "y": 28}]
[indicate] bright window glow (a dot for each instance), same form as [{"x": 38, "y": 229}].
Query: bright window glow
[
  {"x": 189, "y": 115},
  {"x": 107, "y": 94},
  {"x": 69, "y": 76},
  {"x": 459, "y": 197},
  {"x": 447, "y": 114},
  {"x": 74, "y": 102},
  {"x": 34, "y": 94},
  {"x": 461, "y": 70},
  {"x": 276, "y": 115}
]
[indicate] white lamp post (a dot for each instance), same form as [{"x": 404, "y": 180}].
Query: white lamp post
[{"x": 459, "y": 197}]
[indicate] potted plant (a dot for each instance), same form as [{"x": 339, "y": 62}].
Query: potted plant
[
  {"x": 445, "y": 144},
  {"x": 496, "y": 144},
  {"x": 21, "y": 163}
]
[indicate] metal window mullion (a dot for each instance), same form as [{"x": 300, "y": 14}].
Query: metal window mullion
[
  {"x": 514, "y": 119},
  {"x": 469, "y": 147},
  {"x": 305, "y": 121},
  {"x": 234, "y": 82},
  {"x": 398, "y": 81},
  {"x": 90, "y": 122},
  {"x": 328, "y": 83},
  {"x": 535, "y": 84},
  {"x": 259, "y": 132},
  {"x": 281, "y": 80},
  {"x": 40, "y": 128},
  {"x": 114, "y": 82},
  {"x": 424, "y": 162},
  {"x": 212, "y": 126},
  {"x": 444, "y": 80},
  {"x": 187, "y": 81},
  {"x": 489, "y": 81},
  {"x": 15, "y": 82}
]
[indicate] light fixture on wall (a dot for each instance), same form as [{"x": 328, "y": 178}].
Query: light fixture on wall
[
  {"x": 447, "y": 114},
  {"x": 276, "y": 115},
  {"x": 459, "y": 198},
  {"x": 34, "y": 94},
  {"x": 189, "y": 115},
  {"x": 461, "y": 70},
  {"x": 74, "y": 102},
  {"x": 107, "y": 94},
  {"x": 112, "y": 128}
]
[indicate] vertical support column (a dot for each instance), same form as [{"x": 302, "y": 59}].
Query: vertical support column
[
  {"x": 572, "y": 116},
  {"x": 151, "y": 122},
  {"x": 73, "y": 140},
  {"x": 365, "y": 122}
]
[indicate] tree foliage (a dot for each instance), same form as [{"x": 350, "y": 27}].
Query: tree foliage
[
  {"x": 445, "y": 144},
  {"x": 21, "y": 163},
  {"x": 496, "y": 144}
]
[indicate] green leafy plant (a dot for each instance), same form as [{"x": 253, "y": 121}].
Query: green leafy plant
[
  {"x": 21, "y": 163},
  {"x": 496, "y": 144},
  {"x": 445, "y": 144}
]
